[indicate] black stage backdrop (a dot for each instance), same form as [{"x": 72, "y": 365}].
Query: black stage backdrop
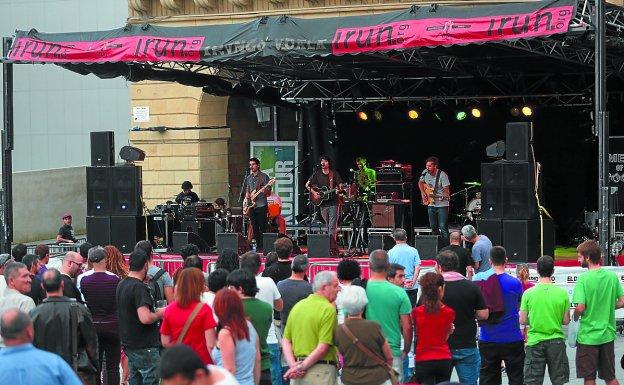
[{"x": 563, "y": 145}]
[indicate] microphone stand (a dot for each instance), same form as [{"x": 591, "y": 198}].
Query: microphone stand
[
  {"x": 299, "y": 165},
  {"x": 240, "y": 196}
]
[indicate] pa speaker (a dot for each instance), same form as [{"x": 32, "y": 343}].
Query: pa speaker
[
  {"x": 427, "y": 246},
  {"x": 206, "y": 229},
  {"x": 268, "y": 240},
  {"x": 492, "y": 175},
  {"x": 233, "y": 241},
  {"x": 491, "y": 228},
  {"x": 521, "y": 239},
  {"x": 380, "y": 242},
  {"x": 131, "y": 154},
  {"x": 98, "y": 231},
  {"x": 518, "y": 138},
  {"x": 103, "y": 148},
  {"x": 98, "y": 191},
  {"x": 126, "y": 232},
  {"x": 182, "y": 238},
  {"x": 127, "y": 190},
  {"x": 491, "y": 203},
  {"x": 318, "y": 245},
  {"x": 519, "y": 203}
]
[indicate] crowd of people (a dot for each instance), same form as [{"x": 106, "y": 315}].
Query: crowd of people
[{"x": 249, "y": 325}]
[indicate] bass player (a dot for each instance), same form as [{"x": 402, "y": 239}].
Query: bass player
[
  {"x": 257, "y": 180},
  {"x": 330, "y": 180},
  {"x": 435, "y": 191}
]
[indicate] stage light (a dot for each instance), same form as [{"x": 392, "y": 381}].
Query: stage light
[
  {"x": 413, "y": 114},
  {"x": 475, "y": 112},
  {"x": 362, "y": 115},
  {"x": 460, "y": 115},
  {"x": 377, "y": 115},
  {"x": 514, "y": 111},
  {"x": 527, "y": 111}
]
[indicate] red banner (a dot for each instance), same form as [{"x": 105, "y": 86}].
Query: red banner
[
  {"x": 445, "y": 31},
  {"x": 121, "y": 49}
]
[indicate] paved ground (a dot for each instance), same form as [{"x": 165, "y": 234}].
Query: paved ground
[{"x": 619, "y": 350}]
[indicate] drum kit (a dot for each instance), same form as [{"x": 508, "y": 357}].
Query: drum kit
[{"x": 470, "y": 201}]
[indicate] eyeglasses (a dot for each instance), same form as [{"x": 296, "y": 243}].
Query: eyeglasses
[{"x": 76, "y": 263}]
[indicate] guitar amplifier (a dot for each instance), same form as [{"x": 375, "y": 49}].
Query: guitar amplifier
[{"x": 397, "y": 174}]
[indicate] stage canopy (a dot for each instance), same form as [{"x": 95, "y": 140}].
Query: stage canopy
[{"x": 541, "y": 49}]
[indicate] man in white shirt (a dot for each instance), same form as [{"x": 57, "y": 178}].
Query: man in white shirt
[
  {"x": 18, "y": 282},
  {"x": 4, "y": 259}
]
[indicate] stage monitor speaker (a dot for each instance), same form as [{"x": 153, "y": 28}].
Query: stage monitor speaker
[
  {"x": 127, "y": 190},
  {"x": 427, "y": 246},
  {"x": 383, "y": 215},
  {"x": 521, "y": 239},
  {"x": 206, "y": 229},
  {"x": 268, "y": 240},
  {"x": 182, "y": 238},
  {"x": 318, "y": 245},
  {"x": 517, "y": 140},
  {"x": 99, "y": 191},
  {"x": 126, "y": 232},
  {"x": 103, "y": 148},
  {"x": 98, "y": 231},
  {"x": 380, "y": 242},
  {"x": 233, "y": 241},
  {"x": 491, "y": 228}
]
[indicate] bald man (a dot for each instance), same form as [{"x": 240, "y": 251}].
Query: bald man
[
  {"x": 22, "y": 363},
  {"x": 466, "y": 263},
  {"x": 71, "y": 267}
]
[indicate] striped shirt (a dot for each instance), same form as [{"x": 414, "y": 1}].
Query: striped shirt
[{"x": 98, "y": 290}]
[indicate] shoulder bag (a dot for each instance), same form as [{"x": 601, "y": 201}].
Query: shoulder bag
[{"x": 190, "y": 319}]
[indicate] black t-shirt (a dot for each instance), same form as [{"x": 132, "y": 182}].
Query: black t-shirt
[
  {"x": 70, "y": 289},
  {"x": 465, "y": 259},
  {"x": 465, "y": 298},
  {"x": 187, "y": 198},
  {"x": 320, "y": 180},
  {"x": 67, "y": 232},
  {"x": 278, "y": 271},
  {"x": 131, "y": 295},
  {"x": 36, "y": 291}
]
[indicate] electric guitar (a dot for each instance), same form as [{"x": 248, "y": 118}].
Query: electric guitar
[
  {"x": 325, "y": 193},
  {"x": 251, "y": 202}
]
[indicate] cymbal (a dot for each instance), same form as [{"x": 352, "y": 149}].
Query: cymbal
[{"x": 472, "y": 183}]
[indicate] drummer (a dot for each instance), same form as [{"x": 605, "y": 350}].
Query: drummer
[
  {"x": 187, "y": 196},
  {"x": 365, "y": 177}
]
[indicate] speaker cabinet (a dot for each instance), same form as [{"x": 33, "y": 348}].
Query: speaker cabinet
[
  {"x": 400, "y": 190},
  {"x": 318, "y": 245},
  {"x": 103, "y": 148},
  {"x": 492, "y": 175},
  {"x": 427, "y": 246},
  {"x": 98, "y": 231},
  {"x": 98, "y": 191},
  {"x": 233, "y": 241},
  {"x": 383, "y": 215},
  {"x": 519, "y": 203},
  {"x": 521, "y": 239},
  {"x": 268, "y": 240},
  {"x": 518, "y": 137},
  {"x": 127, "y": 190},
  {"x": 491, "y": 228},
  {"x": 182, "y": 238},
  {"x": 492, "y": 190},
  {"x": 205, "y": 229},
  {"x": 380, "y": 241},
  {"x": 126, "y": 232}
]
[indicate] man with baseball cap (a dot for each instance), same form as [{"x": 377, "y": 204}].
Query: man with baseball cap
[{"x": 66, "y": 232}]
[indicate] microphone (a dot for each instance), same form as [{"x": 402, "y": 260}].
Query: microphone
[{"x": 352, "y": 170}]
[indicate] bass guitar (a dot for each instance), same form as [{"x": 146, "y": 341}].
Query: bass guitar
[
  {"x": 251, "y": 202},
  {"x": 325, "y": 193}
]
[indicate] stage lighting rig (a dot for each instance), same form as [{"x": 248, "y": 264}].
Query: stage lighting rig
[
  {"x": 527, "y": 111},
  {"x": 362, "y": 115},
  {"x": 460, "y": 115},
  {"x": 413, "y": 114},
  {"x": 475, "y": 112}
]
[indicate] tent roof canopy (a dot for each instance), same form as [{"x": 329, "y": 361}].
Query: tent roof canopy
[{"x": 540, "y": 49}]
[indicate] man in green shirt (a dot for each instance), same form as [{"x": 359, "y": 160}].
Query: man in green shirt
[
  {"x": 259, "y": 312},
  {"x": 544, "y": 308},
  {"x": 389, "y": 306},
  {"x": 308, "y": 342},
  {"x": 597, "y": 294}
]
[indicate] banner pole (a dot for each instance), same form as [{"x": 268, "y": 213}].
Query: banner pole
[{"x": 7, "y": 148}]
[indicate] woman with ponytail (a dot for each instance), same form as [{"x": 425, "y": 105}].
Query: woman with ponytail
[{"x": 433, "y": 323}]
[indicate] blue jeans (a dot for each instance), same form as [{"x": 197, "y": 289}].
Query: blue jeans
[
  {"x": 143, "y": 366},
  {"x": 406, "y": 369},
  {"x": 438, "y": 221},
  {"x": 276, "y": 364},
  {"x": 467, "y": 362}
]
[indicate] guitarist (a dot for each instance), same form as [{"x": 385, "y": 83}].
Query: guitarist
[
  {"x": 326, "y": 177},
  {"x": 435, "y": 191},
  {"x": 259, "y": 212}
]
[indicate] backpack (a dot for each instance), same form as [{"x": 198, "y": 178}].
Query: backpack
[{"x": 155, "y": 290}]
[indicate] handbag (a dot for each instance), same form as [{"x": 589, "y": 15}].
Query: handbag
[
  {"x": 394, "y": 375},
  {"x": 188, "y": 322}
]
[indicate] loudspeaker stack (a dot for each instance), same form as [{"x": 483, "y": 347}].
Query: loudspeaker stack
[
  {"x": 510, "y": 215},
  {"x": 114, "y": 203}
]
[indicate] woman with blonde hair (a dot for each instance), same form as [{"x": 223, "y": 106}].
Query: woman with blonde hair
[{"x": 200, "y": 332}]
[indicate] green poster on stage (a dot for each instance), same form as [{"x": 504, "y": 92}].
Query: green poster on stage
[{"x": 277, "y": 160}]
